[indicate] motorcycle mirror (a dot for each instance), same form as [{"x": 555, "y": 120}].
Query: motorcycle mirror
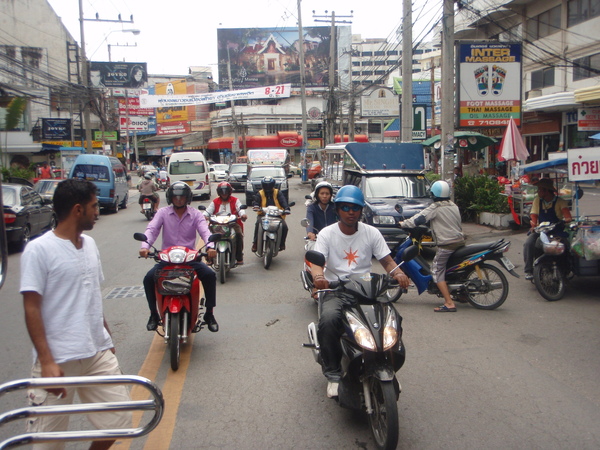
[
  {"x": 316, "y": 258},
  {"x": 215, "y": 237},
  {"x": 140, "y": 237},
  {"x": 244, "y": 207},
  {"x": 398, "y": 208},
  {"x": 304, "y": 222},
  {"x": 202, "y": 207},
  {"x": 308, "y": 197},
  {"x": 578, "y": 193},
  {"x": 410, "y": 253},
  {"x": 291, "y": 204}
]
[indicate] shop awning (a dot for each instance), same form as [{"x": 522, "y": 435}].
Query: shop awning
[
  {"x": 589, "y": 94},
  {"x": 283, "y": 139}
]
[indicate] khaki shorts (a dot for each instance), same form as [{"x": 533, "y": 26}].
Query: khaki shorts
[{"x": 103, "y": 363}]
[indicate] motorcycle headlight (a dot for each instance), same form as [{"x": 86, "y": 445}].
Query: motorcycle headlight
[
  {"x": 384, "y": 220},
  {"x": 362, "y": 335},
  {"x": 177, "y": 255},
  {"x": 390, "y": 332}
]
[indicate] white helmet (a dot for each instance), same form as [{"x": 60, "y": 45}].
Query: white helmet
[{"x": 440, "y": 190}]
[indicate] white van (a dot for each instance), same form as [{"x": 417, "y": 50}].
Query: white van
[{"x": 191, "y": 168}]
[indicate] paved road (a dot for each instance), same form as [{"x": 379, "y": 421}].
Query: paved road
[{"x": 522, "y": 376}]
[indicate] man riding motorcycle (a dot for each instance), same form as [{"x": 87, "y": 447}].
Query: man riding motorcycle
[
  {"x": 180, "y": 223},
  {"x": 349, "y": 246},
  {"x": 269, "y": 196},
  {"x": 148, "y": 188},
  {"x": 225, "y": 202}
]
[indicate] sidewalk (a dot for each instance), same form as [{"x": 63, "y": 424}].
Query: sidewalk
[{"x": 474, "y": 230}]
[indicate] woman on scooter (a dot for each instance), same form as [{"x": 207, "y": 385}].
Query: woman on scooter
[
  {"x": 444, "y": 219},
  {"x": 321, "y": 212}
]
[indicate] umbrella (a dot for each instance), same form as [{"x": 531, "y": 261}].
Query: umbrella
[
  {"x": 512, "y": 147},
  {"x": 595, "y": 136},
  {"x": 468, "y": 140}
]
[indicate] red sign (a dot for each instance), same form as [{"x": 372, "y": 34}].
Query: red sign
[
  {"x": 289, "y": 142},
  {"x": 168, "y": 128},
  {"x": 133, "y": 104}
]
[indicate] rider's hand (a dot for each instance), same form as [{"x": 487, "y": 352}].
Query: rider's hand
[
  {"x": 243, "y": 217},
  {"x": 320, "y": 282},
  {"x": 212, "y": 253},
  {"x": 401, "y": 279},
  {"x": 401, "y": 224},
  {"x": 144, "y": 252},
  {"x": 312, "y": 236}
]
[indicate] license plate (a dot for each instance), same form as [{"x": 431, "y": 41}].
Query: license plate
[
  {"x": 146, "y": 206},
  {"x": 189, "y": 183},
  {"x": 427, "y": 239},
  {"x": 507, "y": 263}
]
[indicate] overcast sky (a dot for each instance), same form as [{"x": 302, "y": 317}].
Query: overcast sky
[{"x": 177, "y": 34}]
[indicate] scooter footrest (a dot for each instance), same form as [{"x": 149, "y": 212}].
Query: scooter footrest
[{"x": 197, "y": 327}]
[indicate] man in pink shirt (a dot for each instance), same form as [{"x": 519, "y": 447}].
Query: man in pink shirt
[{"x": 180, "y": 223}]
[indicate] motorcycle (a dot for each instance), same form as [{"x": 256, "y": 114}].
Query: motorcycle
[
  {"x": 179, "y": 303},
  {"x": 148, "y": 208},
  {"x": 222, "y": 223},
  {"x": 552, "y": 264},
  {"x": 163, "y": 183},
  {"x": 306, "y": 274},
  {"x": 372, "y": 349},
  {"x": 469, "y": 278},
  {"x": 269, "y": 240}
]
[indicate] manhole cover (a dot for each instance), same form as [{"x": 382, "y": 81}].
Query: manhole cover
[{"x": 127, "y": 292}]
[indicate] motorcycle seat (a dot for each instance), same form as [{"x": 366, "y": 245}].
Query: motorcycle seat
[{"x": 472, "y": 249}]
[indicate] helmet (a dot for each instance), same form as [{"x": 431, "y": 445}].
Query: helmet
[
  {"x": 440, "y": 190},
  {"x": 350, "y": 194},
  {"x": 179, "y": 188},
  {"x": 323, "y": 184},
  {"x": 148, "y": 176},
  {"x": 268, "y": 183},
  {"x": 224, "y": 186}
]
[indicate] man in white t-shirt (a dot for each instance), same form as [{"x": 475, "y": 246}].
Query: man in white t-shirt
[
  {"x": 349, "y": 246},
  {"x": 60, "y": 282}
]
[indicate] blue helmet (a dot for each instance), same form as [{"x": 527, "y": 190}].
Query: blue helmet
[{"x": 350, "y": 194}]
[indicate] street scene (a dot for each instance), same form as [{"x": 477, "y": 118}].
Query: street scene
[{"x": 521, "y": 375}]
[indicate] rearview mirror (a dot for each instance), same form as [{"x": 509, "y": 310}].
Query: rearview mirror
[
  {"x": 215, "y": 237},
  {"x": 140, "y": 237},
  {"x": 410, "y": 253},
  {"x": 304, "y": 222},
  {"x": 316, "y": 258}
]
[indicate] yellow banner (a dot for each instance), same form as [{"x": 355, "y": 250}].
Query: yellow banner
[
  {"x": 174, "y": 113},
  {"x": 95, "y": 144}
]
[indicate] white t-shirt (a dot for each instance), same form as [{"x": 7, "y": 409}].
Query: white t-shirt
[
  {"x": 68, "y": 280},
  {"x": 347, "y": 254}
]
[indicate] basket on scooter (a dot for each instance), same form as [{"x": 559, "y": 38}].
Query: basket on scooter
[{"x": 174, "y": 281}]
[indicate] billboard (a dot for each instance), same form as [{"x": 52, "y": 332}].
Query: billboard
[
  {"x": 59, "y": 129},
  {"x": 118, "y": 75},
  {"x": 171, "y": 113},
  {"x": 489, "y": 78},
  {"x": 271, "y": 56}
]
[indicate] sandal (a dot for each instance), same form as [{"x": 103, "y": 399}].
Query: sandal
[{"x": 444, "y": 308}]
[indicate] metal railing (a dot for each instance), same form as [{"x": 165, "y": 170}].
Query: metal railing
[{"x": 155, "y": 404}]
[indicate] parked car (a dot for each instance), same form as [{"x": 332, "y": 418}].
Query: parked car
[
  {"x": 46, "y": 187},
  {"x": 314, "y": 170},
  {"x": 26, "y": 214},
  {"x": 238, "y": 174},
  {"x": 218, "y": 172},
  {"x": 295, "y": 169},
  {"x": 145, "y": 168}
]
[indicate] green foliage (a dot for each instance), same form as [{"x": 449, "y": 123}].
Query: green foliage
[
  {"x": 433, "y": 177},
  {"x": 479, "y": 194},
  {"x": 14, "y": 112},
  {"x": 19, "y": 172}
]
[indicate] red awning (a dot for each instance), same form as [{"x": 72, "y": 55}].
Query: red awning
[
  {"x": 283, "y": 139},
  {"x": 357, "y": 138}
]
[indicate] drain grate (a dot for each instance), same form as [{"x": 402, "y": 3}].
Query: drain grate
[{"x": 126, "y": 292}]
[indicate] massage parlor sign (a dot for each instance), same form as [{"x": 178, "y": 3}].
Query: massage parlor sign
[{"x": 489, "y": 80}]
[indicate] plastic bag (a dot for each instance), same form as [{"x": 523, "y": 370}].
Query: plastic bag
[{"x": 591, "y": 242}]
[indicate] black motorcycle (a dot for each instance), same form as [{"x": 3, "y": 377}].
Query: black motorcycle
[
  {"x": 552, "y": 262},
  {"x": 372, "y": 349}
]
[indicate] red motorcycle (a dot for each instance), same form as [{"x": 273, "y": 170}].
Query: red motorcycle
[{"x": 180, "y": 305}]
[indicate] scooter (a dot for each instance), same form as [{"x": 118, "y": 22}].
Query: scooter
[
  {"x": 372, "y": 348},
  {"x": 178, "y": 298},
  {"x": 553, "y": 261},
  {"x": 222, "y": 223},
  {"x": 470, "y": 279},
  {"x": 148, "y": 208},
  {"x": 269, "y": 240},
  {"x": 306, "y": 274},
  {"x": 163, "y": 183}
]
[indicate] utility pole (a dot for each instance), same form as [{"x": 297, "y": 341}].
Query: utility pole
[
  {"x": 86, "y": 84},
  {"x": 302, "y": 94},
  {"x": 407, "y": 103},
  {"x": 118, "y": 45},
  {"x": 331, "y": 102},
  {"x": 235, "y": 146},
  {"x": 447, "y": 115}
]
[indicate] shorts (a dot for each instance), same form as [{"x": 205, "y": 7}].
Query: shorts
[
  {"x": 152, "y": 198},
  {"x": 103, "y": 363},
  {"x": 438, "y": 266}
]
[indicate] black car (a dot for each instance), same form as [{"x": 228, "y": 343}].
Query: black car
[
  {"x": 256, "y": 175},
  {"x": 26, "y": 214},
  {"x": 238, "y": 175}
]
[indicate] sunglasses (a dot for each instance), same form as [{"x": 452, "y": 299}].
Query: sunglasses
[{"x": 347, "y": 208}]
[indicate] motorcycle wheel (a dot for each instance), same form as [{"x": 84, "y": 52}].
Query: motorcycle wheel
[
  {"x": 268, "y": 256},
  {"x": 174, "y": 341},
  {"x": 484, "y": 298},
  {"x": 384, "y": 418},
  {"x": 221, "y": 264},
  {"x": 550, "y": 282}
]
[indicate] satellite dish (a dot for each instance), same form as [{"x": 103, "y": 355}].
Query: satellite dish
[{"x": 437, "y": 145}]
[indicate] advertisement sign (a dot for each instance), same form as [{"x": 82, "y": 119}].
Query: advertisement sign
[
  {"x": 106, "y": 135},
  {"x": 158, "y": 101},
  {"x": 584, "y": 164},
  {"x": 133, "y": 105},
  {"x": 166, "y": 113},
  {"x": 380, "y": 103},
  {"x": 419, "y": 125},
  {"x": 151, "y": 126},
  {"x": 588, "y": 119},
  {"x": 59, "y": 129},
  {"x": 136, "y": 123},
  {"x": 489, "y": 80},
  {"x": 168, "y": 128},
  {"x": 118, "y": 75},
  {"x": 270, "y": 56}
]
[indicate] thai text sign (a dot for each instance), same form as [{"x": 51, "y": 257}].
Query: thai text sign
[
  {"x": 132, "y": 108},
  {"x": 588, "y": 119},
  {"x": 584, "y": 164},
  {"x": 162, "y": 101}
]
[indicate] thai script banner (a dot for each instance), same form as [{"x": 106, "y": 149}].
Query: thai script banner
[
  {"x": 162, "y": 101},
  {"x": 584, "y": 164}
]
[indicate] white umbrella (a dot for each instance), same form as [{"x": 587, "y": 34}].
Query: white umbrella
[{"x": 512, "y": 147}]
